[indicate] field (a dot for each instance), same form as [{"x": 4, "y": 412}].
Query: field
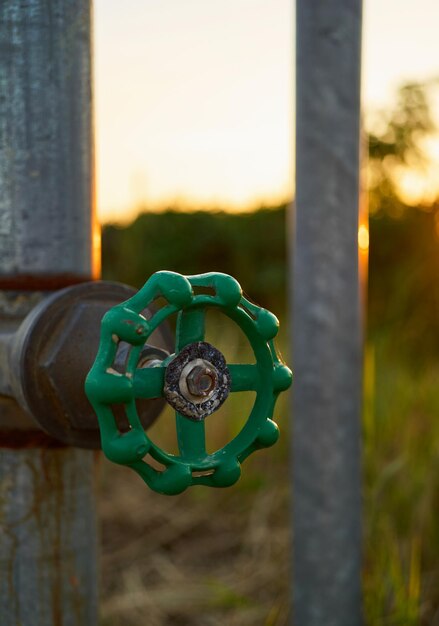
[{"x": 210, "y": 557}]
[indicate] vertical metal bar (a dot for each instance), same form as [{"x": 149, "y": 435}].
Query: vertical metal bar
[
  {"x": 327, "y": 350},
  {"x": 46, "y": 156},
  {"x": 47, "y": 505}
]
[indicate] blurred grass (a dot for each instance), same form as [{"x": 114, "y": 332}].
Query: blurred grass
[
  {"x": 209, "y": 557},
  {"x": 401, "y": 498}
]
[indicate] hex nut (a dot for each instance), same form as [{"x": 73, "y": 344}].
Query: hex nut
[{"x": 183, "y": 376}]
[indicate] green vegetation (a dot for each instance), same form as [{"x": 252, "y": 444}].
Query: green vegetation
[
  {"x": 249, "y": 246},
  {"x": 209, "y": 557}
]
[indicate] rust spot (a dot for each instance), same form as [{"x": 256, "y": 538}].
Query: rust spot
[
  {"x": 51, "y": 480},
  {"x": 15, "y": 439},
  {"x": 29, "y": 282},
  {"x": 74, "y": 581}
]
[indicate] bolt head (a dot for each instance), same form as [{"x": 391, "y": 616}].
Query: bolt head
[{"x": 201, "y": 380}]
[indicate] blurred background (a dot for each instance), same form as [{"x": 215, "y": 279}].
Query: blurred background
[{"x": 194, "y": 116}]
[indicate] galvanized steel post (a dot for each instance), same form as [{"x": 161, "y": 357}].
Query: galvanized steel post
[
  {"x": 327, "y": 352},
  {"x": 47, "y": 507}
]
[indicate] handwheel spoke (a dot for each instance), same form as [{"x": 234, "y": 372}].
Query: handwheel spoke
[
  {"x": 191, "y": 435},
  {"x": 190, "y": 327},
  {"x": 148, "y": 382},
  {"x": 244, "y": 377}
]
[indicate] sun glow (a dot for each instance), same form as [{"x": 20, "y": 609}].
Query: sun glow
[
  {"x": 194, "y": 106},
  {"x": 363, "y": 249},
  {"x": 363, "y": 238},
  {"x": 195, "y": 103}
]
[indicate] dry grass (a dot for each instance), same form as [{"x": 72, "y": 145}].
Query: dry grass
[{"x": 204, "y": 558}]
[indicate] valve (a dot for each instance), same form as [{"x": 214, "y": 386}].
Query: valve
[
  {"x": 195, "y": 380},
  {"x": 46, "y": 351}
]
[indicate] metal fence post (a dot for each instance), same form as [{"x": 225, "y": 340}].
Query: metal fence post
[
  {"x": 327, "y": 351},
  {"x": 48, "y": 573}
]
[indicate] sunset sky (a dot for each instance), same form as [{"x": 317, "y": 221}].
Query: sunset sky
[{"x": 194, "y": 98}]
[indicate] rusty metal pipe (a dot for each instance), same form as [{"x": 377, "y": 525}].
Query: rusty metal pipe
[
  {"x": 48, "y": 568},
  {"x": 48, "y": 240}
]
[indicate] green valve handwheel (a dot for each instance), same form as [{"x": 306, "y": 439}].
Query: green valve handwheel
[{"x": 195, "y": 380}]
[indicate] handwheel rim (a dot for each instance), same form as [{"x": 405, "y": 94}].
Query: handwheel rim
[{"x": 257, "y": 432}]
